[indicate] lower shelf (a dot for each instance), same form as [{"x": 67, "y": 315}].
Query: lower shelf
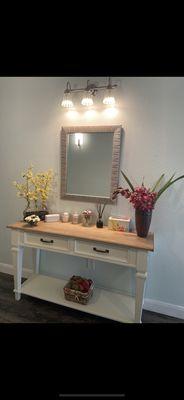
[{"x": 104, "y": 303}]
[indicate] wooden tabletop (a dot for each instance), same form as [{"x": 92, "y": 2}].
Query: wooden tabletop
[{"x": 89, "y": 233}]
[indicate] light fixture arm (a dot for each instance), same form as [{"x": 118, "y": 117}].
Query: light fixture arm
[
  {"x": 68, "y": 88},
  {"x": 109, "y": 86},
  {"x": 90, "y": 87}
]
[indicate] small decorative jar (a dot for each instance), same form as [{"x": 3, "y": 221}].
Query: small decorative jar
[
  {"x": 65, "y": 216},
  {"x": 100, "y": 209},
  {"x": 75, "y": 218},
  {"x": 99, "y": 223},
  {"x": 87, "y": 217}
]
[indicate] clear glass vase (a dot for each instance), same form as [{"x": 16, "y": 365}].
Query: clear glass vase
[
  {"x": 28, "y": 211},
  {"x": 87, "y": 220}
]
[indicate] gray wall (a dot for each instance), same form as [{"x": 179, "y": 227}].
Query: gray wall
[{"x": 151, "y": 113}]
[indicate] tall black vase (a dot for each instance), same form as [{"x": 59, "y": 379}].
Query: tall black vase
[{"x": 142, "y": 222}]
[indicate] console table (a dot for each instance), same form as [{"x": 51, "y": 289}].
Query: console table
[{"x": 125, "y": 249}]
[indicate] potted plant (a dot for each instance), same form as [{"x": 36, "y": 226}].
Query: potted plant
[
  {"x": 43, "y": 186},
  {"x": 143, "y": 200},
  {"x": 35, "y": 190},
  {"x": 25, "y": 190}
]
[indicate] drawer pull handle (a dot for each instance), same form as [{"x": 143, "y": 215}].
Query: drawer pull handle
[
  {"x": 100, "y": 251},
  {"x": 46, "y": 241}
]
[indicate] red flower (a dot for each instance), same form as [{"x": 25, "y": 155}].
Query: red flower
[{"x": 141, "y": 198}]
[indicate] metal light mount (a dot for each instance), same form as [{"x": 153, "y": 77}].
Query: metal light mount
[
  {"x": 90, "y": 91},
  {"x": 91, "y": 88}
]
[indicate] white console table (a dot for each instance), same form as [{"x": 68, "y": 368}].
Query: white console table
[{"x": 126, "y": 249}]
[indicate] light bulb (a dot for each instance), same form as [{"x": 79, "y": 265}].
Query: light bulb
[
  {"x": 109, "y": 100},
  {"x": 79, "y": 139},
  {"x": 87, "y": 100},
  {"x": 67, "y": 102}
]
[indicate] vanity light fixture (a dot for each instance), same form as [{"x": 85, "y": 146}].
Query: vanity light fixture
[
  {"x": 79, "y": 139},
  {"x": 88, "y": 94}
]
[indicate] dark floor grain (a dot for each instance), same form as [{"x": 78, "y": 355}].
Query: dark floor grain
[{"x": 32, "y": 310}]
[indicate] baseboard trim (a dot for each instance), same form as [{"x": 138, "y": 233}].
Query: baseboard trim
[
  {"x": 9, "y": 269},
  {"x": 172, "y": 310}
]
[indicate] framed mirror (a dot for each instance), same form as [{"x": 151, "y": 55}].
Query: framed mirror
[{"x": 90, "y": 157}]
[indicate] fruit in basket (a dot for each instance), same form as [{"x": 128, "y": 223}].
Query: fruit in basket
[
  {"x": 85, "y": 284},
  {"x": 80, "y": 284}
]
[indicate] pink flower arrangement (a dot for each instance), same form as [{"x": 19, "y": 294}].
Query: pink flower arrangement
[
  {"x": 87, "y": 215},
  {"x": 142, "y": 198}
]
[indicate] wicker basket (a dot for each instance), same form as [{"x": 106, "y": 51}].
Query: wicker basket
[{"x": 76, "y": 295}]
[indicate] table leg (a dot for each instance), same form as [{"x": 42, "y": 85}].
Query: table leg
[
  {"x": 37, "y": 261},
  {"x": 139, "y": 296},
  {"x": 141, "y": 274},
  {"x": 17, "y": 253}
]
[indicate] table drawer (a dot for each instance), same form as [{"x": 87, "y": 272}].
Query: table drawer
[
  {"x": 111, "y": 253},
  {"x": 46, "y": 241}
]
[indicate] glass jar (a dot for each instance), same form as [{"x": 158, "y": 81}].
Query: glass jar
[
  {"x": 87, "y": 218},
  {"x": 28, "y": 211}
]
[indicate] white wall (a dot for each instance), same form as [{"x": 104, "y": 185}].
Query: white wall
[
  {"x": 151, "y": 113},
  {"x": 154, "y": 126}
]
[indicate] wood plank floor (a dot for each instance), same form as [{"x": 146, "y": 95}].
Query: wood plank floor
[{"x": 32, "y": 310}]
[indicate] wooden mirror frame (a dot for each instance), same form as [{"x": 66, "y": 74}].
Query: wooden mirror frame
[{"x": 116, "y": 131}]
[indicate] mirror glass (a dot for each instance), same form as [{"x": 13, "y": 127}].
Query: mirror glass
[{"x": 90, "y": 162}]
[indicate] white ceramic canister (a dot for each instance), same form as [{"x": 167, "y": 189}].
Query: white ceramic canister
[
  {"x": 75, "y": 218},
  {"x": 65, "y": 216}
]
